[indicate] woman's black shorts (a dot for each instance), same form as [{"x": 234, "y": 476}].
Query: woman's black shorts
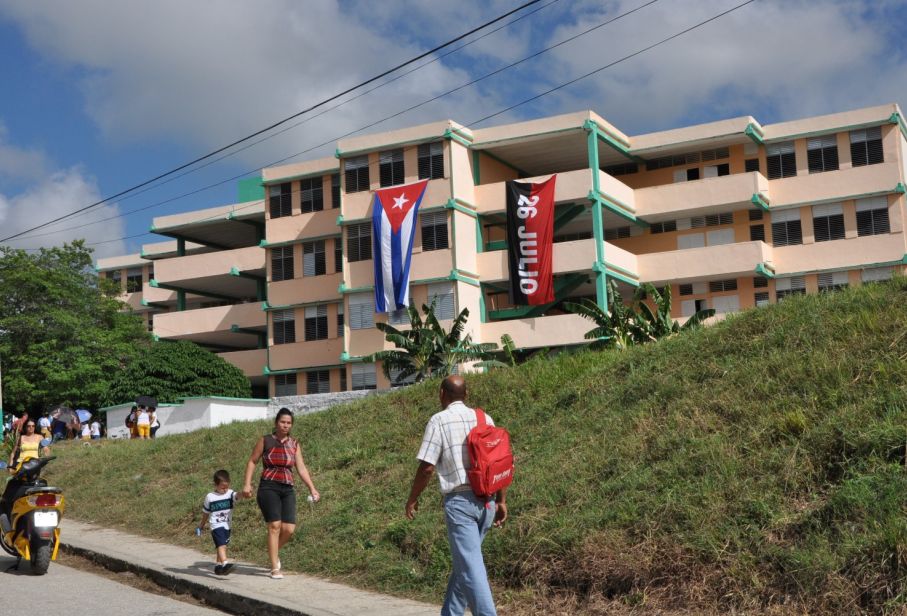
[{"x": 277, "y": 501}]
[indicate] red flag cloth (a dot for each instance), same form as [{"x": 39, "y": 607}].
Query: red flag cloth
[{"x": 530, "y": 241}]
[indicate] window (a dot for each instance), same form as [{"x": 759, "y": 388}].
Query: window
[
  {"x": 866, "y": 146},
  {"x": 686, "y": 158},
  {"x": 285, "y": 385},
  {"x": 573, "y": 237},
  {"x": 719, "y": 237},
  {"x": 685, "y": 289},
  {"x": 689, "y": 307},
  {"x": 828, "y": 222},
  {"x": 712, "y": 220},
  {"x": 761, "y": 299},
  {"x": 362, "y": 310},
  {"x": 786, "y": 230},
  {"x": 134, "y": 280},
  {"x": 279, "y": 200},
  {"x": 621, "y": 169},
  {"x": 400, "y": 316},
  {"x": 359, "y": 242},
  {"x": 284, "y": 326},
  {"x": 686, "y": 175},
  {"x": 690, "y": 240},
  {"x": 751, "y": 164},
  {"x": 151, "y": 322},
  {"x": 318, "y": 382},
  {"x": 356, "y": 170},
  {"x": 714, "y": 171},
  {"x": 872, "y": 216},
  {"x": 431, "y": 160},
  {"x": 316, "y": 322},
  {"x": 282, "y": 263},
  {"x": 396, "y": 381},
  {"x": 335, "y": 191},
  {"x": 760, "y": 282},
  {"x": 663, "y": 227},
  {"x": 311, "y": 195},
  {"x": 832, "y": 281},
  {"x": 789, "y": 286},
  {"x": 434, "y": 230},
  {"x": 391, "y": 167},
  {"x": 757, "y": 233},
  {"x": 364, "y": 377},
  {"x": 617, "y": 234},
  {"x": 726, "y": 304},
  {"x": 720, "y": 286},
  {"x": 442, "y": 294},
  {"x": 338, "y": 254},
  {"x": 342, "y": 379},
  {"x": 875, "y": 274},
  {"x": 822, "y": 153},
  {"x": 313, "y": 259},
  {"x": 782, "y": 163},
  {"x": 340, "y": 320},
  {"x": 755, "y": 215}
]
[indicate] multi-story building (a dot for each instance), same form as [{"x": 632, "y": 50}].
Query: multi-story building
[
  {"x": 730, "y": 214},
  {"x": 131, "y": 273}
]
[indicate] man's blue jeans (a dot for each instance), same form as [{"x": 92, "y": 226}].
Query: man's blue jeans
[{"x": 468, "y": 520}]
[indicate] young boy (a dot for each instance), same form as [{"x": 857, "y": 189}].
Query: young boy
[{"x": 218, "y": 512}]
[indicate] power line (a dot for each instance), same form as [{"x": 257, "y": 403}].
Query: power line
[
  {"x": 278, "y": 123},
  {"x": 373, "y": 124}
]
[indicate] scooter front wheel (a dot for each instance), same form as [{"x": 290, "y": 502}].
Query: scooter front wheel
[{"x": 40, "y": 557}]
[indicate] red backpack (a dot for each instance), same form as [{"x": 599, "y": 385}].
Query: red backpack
[{"x": 490, "y": 456}]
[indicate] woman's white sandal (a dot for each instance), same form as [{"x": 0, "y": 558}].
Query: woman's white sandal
[{"x": 276, "y": 574}]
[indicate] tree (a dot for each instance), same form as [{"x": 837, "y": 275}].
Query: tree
[
  {"x": 623, "y": 325},
  {"x": 426, "y": 350},
  {"x": 172, "y": 370},
  {"x": 63, "y": 332}
]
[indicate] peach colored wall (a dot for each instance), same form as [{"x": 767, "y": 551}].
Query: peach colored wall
[
  {"x": 358, "y": 205},
  {"x": 492, "y": 171},
  {"x": 539, "y": 332},
  {"x": 304, "y": 290},
  {"x": 306, "y": 354},
  {"x": 687, "y": 198},
  {"x": 463, "y": 245},
  {"x": 659, "y": 177},
  {"x": 570, "y": 186},
  {"x": 839, "y": 253},
  {"x": 612, "y": 187},
  {"x": 181, "y": 269},
  {"x": 203, "y": 320},
  {"x": 424, "y": 265},
  {"x": 725, "y": 261},
  {"x": 301, "y": 226},
  {"x": 251, "y": 362},
  {"x": 831, "y": 186},
  {"x": 458, "y": 162}
]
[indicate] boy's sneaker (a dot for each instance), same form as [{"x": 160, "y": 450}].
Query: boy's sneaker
[
  {"x": 218, "y": 569},
  {"x": 226, "y": 568}
]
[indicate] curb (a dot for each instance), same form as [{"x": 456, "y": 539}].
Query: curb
[{"x": 231, "y": 602}]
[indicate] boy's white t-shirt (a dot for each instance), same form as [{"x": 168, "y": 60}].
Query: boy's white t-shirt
[
  {"x": 44, "y": 422},
  {"x": 219, "y": 508},
  {"x": 143, "y": 419},
  {"x": 86, "y": 431},
  {"x": 95, "y": 428}
]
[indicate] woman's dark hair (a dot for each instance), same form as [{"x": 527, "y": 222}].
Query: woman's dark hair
[{"x": 281, "y": 413}]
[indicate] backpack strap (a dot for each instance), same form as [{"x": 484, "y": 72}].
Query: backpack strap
[{"x": 480, "y": 418}]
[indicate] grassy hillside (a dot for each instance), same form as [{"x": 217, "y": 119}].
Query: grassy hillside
[{"x": 757, "y": 465}]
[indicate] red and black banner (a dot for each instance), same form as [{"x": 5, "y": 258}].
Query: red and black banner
[{"x": 530, "y": 237}]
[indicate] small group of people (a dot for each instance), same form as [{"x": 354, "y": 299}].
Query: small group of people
[
  {"x": 142, "y": 422},
  {"x": 443, "y": 452}
]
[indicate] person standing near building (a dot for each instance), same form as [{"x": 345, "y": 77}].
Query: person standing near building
[
  {"x": 468, "y": 517},
  {"x": 155, "y": 423},
  {"x": 143, "y": 423},
  {"x": 44, "y": 425}
]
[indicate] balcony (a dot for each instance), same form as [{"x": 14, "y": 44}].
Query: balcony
[
  {"x": 306, "y": 354},
  {"x": 305, "y": 290},
  {"x": 227, "y": 274},
  {"x": 835, "y": 185},
  {"x": 358, "y": 205},
  {"x": 570, "y": 186},
  {"x": 251, "y": 362},
  {"x": 538, "y": 332},
  {"x": 576, "y": 256},
  {"x": 708, "y": 263},
  {"x": 853, "y": 252},
  {"x": 699, "y": 197},
  {"x": 215, "y": 326},
  {"x": 301, "y": 226},
  {"x": 424, "y": 266}
]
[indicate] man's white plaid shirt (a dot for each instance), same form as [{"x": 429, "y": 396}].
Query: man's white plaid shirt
[{"x": 444, "y": 445}]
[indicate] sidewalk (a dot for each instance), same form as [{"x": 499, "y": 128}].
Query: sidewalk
[{"x": 247, "y": 590}]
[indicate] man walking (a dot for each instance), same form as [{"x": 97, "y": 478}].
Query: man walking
[{"x": 468, "y": 517}]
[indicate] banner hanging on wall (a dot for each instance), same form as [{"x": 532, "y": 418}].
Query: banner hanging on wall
[
  {"x": 395, "y": 214},
  {"x": 530, "y": 238}
]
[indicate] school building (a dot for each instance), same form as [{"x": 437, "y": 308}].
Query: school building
[{"x": 732, "y": 214}]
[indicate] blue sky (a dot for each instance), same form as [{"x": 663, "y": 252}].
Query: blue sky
[{"x": 97, "y": 96}]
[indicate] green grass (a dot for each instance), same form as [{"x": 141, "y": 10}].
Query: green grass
[{"x": 755, "y": 465}]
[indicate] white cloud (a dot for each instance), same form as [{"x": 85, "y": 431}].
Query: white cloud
[
  {"x": 57, "y": 194},
  {"x": 19, "y": 164}
]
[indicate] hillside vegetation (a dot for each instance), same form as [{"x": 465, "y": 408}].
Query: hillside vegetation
[{"x": 757, "y": 466}]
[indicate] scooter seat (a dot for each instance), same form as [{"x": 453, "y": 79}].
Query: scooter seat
[{"x": 43, "y": 490}]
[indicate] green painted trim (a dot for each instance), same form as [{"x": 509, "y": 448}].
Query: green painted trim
[
  {"x": 268, "y": 372},
  {"x": 180, "y": 247},
  {"x": 186, "y": 238},
  {"x": 900, "y": 188},
  {"x": 346, "y": 358},
  {"x": 234, "y": 271},
  {"x": 829, "y": 131},
  {"x": 456, "y": 276},
  {"x": 451, "y": 136},
  {"x": 615, "y": 207},
  {"x": 764, "y": 270},
  {"x": 563, "y": 286},
  {"x": 476, "y": 167},
  {"x": 180, "y": 301},
  {"x": 480, "y": 240},
  {"x": 626, "y": 272},
  {"x": 300, "y": 369},
  {"x": 302, "y": 176},
  {"x": 754, "y": 132},
  {"x": 598, "y": 231},
  {"x": 496, "y": 245},
  {"x": 611, "y": 142},
  {"x": 496, "y": 287},
  {"x": 483, "y": 309},
  {"x": 895, "y": 118},
  {"x": 467, "y": 135},
  {"x": 453, "y": 205},
  {"x": 790, "y": 206},
  {"x": 236, "y": 329},
  {"x": 630, "y": 281},
  {"x": 270, "y": 308},
  {"x": 567, "y": 214},
  {"x": 760, "y": 200},
  {"x": 332, "y": 236},
  {"x": 337, "y": 153}
]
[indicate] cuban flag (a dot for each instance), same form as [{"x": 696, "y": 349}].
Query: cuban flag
[{"x": 394, "y": 218}]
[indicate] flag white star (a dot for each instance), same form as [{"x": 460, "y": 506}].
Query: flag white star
[{"x": 399, "y": 202}]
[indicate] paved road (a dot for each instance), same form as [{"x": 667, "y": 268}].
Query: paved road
[{"x": 65, "y": 591}]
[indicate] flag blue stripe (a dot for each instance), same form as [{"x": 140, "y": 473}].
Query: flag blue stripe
[
  {"x": 377, "y": 210},
  {"x": 397, "y": 268}
]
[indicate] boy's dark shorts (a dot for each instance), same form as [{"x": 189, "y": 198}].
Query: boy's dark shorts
[{"x": 221, "y": 536}]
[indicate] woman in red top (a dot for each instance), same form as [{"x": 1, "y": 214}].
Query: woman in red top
[{"x": 276, "y": 498}]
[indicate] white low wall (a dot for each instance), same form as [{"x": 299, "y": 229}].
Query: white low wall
[
  {"x": 192, "y": 414},
  {"x": 312, "y": 403}
]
